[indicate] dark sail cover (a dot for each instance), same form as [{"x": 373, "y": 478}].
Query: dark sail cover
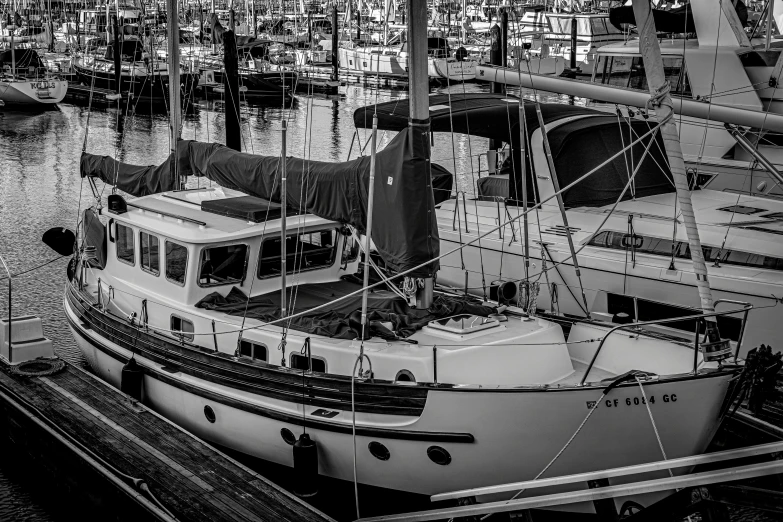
[
  {"x": 136, "y": 180},
  {"x": 404, "y": 231}
]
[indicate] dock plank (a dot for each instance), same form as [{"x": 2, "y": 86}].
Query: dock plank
[{"x": 190, "y": 478}]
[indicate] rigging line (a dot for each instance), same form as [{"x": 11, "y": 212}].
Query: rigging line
[
  {"x": 652, "y": 420},
  {"x": 622, "y": 142},
  {"x": 567, "y": 444},
  {"x": 611, "y": 211},
  {"x": 454, "y": 160}
]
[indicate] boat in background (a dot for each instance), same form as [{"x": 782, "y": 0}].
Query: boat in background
[{"x": 25, "y": 81}]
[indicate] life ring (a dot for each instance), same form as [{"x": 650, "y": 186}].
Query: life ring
[{"x": 37, "y": 367}]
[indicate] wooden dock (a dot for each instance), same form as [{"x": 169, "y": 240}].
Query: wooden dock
[{"x": 134, "y": 464}]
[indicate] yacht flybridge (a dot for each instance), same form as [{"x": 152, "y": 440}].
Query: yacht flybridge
[{"x": 187, "y": 284}]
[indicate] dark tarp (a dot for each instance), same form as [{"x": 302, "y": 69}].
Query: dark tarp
[
  {"x": 342, "y": 320},
  {"x": 492, "y": 187},
  {"x": 134, "y": 179},
  {"x": 442, "y": 181},
  {"x": 405, "y": 230},
  {"x": 496, "y": 116},
  {"x": 24, "y": 58},
  {"x": 492, "y": 116},
  {"x": 581, "y": 145},
  {"x": 130, "y": 50},
  {"x": 95, "y": 235},
  {"x": 679, "y": 20}
]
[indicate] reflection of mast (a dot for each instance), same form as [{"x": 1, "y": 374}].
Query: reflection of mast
[{"x": 661, "y": 99}]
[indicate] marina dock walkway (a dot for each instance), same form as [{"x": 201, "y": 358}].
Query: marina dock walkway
[{"x": 153, "y": 469}]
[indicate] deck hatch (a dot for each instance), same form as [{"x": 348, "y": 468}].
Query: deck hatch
[{"x": 464, "y": 324}]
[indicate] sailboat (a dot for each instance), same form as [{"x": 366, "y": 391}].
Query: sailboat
[
  {"x": 24, "y": 79},
  {"x": 243, "y": 309}
]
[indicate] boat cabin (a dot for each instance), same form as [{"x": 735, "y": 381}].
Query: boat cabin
[{"x": 186, "y": 245}]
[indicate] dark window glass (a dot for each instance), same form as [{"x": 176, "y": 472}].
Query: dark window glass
[
  {"x": 222, "y": 265},
  {"x": 125, "y": 251},
  {"x": 182, "y": 327},
  {"x": 307, "y": 251},
  {"x": 253, "y": 350},
  {"x": 300, "y": 362},
  {"x": 350, "y": 250},
  {"x": 150, "y": 253},
  {"x": 742, "y": 209},
  {"x": 662, "y": 247},
  {"x": 176, "y": 262}
]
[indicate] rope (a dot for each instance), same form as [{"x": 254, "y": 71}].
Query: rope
[
  {"x": 559, "y": 453},
  {"x": 652, "y": 420}
]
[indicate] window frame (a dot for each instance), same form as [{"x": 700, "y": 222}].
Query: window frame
[
  {"x": 182, "y": 335},
  {"x": 309, "y": 365},
  {"x": 253, "y": 347},
  {"x": 141, "y": 253},
  {"x": 117, "y": 243},
  {"x": 165, "y": 267},
  {"x": 244, "y": 266},
  {"x": 335, "y": 235}
]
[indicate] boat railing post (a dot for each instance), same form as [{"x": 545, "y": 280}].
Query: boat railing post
[
  {"x": 741, "y": 336},
  {"x": 746, "y": 307},
  {"x": 5, "y": 266},
  {"x": 696, "y": 347},
  {"x": 435, "y": 364}
]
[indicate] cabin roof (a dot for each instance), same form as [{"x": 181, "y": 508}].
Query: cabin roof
[{"x": 179, "y": 216}]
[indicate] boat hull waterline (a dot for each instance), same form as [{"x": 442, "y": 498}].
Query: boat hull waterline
[{"x": 476, "y": 426}]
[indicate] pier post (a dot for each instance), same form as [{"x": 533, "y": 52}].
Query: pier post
[
  {"x": 117, "y": 55},
  {"x": 573, "y": 43},
  {"x": 231, "y": 88},
  {"x": 496, "y": 54},
  {"x": 504, "y": 36},
  {"x": 335, "y": 57}
]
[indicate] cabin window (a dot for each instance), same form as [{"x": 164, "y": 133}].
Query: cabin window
[
  {"x": 176, "y": 262},
  {"x": 301, "y": 362},
  {"x": 150, "y": 253},
  {"x": 222, "y": 265},
  {"x": 350, "y": 250},
  {"x": 255, "y": 351},
  {"x": 182, "y": 328},
  {"x": 662, "y": 247},
  {"x": 307, "y": 251},
  {"x": 742, "y": 209},
  {"x": 125, "y": 248}
]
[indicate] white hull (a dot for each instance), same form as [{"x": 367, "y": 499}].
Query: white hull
[
  {"x": 603, "y": 272},
  {"x": 32, "y": 92},
  {"x": 516, "y": 431},
  {"x": 451, "y": 69}
]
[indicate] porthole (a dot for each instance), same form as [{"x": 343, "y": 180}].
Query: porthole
[
  {"x": 288, "y": 436},
  {"x": 438, "y": 455},
  {"x": 405, "y": 376},
  {"x": 209, "y": 413},
  {"x": 379, "y": 451}
]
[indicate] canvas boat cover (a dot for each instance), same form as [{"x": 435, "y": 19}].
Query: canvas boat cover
[
  {"x": 24, "y": 58},
  {"x": 678, "y": 20},
  {"x": 575, "y": 148},
  {"x": 404, "y": 231},
  {"x": 389, "y": 315}
]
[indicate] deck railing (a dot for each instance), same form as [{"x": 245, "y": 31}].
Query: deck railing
[
  {"x": 7, "y": 271},
  {"x": 699, "y": 318}
]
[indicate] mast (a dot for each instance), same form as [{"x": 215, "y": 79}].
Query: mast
[
  {"x": 368, "y": 233},
  {"x": 656, "y": 79},
  {"x": 283, "y": 204},
  {"x": 419, "y": 90},
  {"x": 770, "y": 18},
  {"x": 175, "y": 111}
]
